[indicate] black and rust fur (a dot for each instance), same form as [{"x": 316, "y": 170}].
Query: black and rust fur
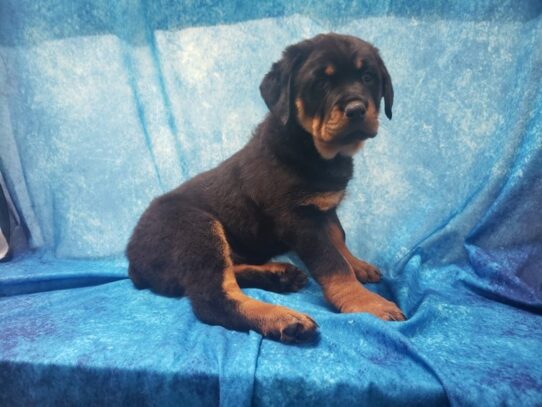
[{"x": 216, "y": 232}]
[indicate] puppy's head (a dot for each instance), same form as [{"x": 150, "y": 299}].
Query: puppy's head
[{"x": 331, "y": 86}]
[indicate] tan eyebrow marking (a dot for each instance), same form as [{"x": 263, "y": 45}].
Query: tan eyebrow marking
[
  {"x": 330, "y": 70},
  {"x": 358, "y": 63}
]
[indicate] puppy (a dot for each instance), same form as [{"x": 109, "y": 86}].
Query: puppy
[{"x": 216, "y": 233}]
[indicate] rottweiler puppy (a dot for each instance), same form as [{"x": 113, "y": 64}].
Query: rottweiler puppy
[{"x": 216, "y": 233}]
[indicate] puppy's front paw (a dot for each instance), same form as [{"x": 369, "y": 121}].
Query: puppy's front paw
[
  {"x": 375, "y": 305},
  {"x": 290, "y": 327}
]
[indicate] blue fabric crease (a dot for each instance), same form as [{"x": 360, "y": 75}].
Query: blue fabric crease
[{"x": 104, "y": 105}]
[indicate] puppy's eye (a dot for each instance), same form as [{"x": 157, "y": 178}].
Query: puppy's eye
[{"x": 367, "y": 78}]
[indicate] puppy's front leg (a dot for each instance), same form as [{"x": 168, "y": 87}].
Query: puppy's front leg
[
  {"x": 365, "y": 272},
  {"x": 333, "y": 272}
]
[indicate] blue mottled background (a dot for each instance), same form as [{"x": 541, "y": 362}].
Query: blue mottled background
[{"x": 105, "y": 104}]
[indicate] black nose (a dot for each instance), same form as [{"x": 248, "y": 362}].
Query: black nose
[{"x": 355, "y": 109}]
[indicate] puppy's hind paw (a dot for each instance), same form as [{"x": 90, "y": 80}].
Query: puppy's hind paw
[{"x": 290, "y": 279}]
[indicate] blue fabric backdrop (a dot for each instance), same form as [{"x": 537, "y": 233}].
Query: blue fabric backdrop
[{"x": 106, "y": 104}]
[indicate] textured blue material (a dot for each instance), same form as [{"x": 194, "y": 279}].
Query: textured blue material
[{"x": 105, "y": 104}]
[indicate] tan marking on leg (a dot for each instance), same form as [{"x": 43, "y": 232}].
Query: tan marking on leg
[
  {"x": 263, "y": 268},
  {"x": 344, "y": 292},
  {"x": 336, "y": 236},
  {"x": 270, "y": 320},
  {"x": 218, "y": 230},
  {"x": 364, "y": 271},
  {"x": 278, "y": 277},
  {"x": 324, "y": 201}
]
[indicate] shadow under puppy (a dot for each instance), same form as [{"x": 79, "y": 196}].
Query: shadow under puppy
[{"x": 216, "y": 233}]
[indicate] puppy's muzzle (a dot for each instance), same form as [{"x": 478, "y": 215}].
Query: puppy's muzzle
[
  {"x": 355, "y": 110},
  {"x": 355, "y": 117}
]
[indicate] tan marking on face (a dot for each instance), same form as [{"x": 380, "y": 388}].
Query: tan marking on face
[
  {"x": 333, "y": 124},
  {"x": 330, "y": 151},
  {"x": 371, "y": 117},
  {"x": 330, "y": 70},
  {"x": 311, "y": 124},
  {"x": 324, "y": 201},
  {"x": 324, "y": 133},
  {"x": 350, "y": 150},
  {"x": 371, "y": 125},
  {"x": 325, "y": 150}
]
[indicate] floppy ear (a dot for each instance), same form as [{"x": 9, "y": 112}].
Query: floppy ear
[
  {"x": 276, "y": 91},
  {"x": 387, "y": 88},
  {"x": 277, "y": 87}
]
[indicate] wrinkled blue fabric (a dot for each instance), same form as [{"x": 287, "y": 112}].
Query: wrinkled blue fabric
[{"x": 106, "y": 104}]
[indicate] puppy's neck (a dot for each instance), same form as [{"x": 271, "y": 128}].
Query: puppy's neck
[{"x": 293, "y": 146}]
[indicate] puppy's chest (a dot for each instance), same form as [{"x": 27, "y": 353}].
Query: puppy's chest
[{"x": 324, "y": 201}]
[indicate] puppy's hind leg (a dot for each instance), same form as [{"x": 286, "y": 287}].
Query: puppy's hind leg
[
  {"x": 278, "y": 277},
  {"x": 217, "y": 298}
]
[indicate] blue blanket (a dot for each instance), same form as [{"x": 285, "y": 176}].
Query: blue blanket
[{"x": 106, "y": 104}]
